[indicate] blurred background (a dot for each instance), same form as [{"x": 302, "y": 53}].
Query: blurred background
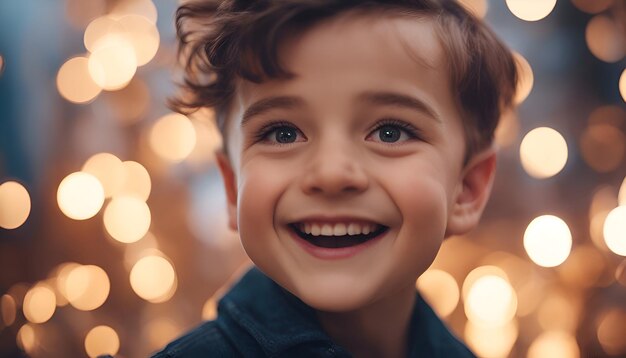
[{"x": 113, "y": 233}]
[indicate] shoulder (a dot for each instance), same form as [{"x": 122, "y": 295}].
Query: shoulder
[{"x": 203, "y": 341}]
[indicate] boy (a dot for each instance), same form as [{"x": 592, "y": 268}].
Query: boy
[{"x": 358, "y": 136}]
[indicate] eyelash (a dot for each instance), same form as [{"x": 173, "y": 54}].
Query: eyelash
[
  {"x": 409, "y": 129},
  {"x": 267, "y": 129}
]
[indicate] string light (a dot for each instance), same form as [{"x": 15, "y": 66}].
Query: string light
[
  {"x": 543, "y": 152},
  {"x": 14, "y": 205},
  {"x": 615, "y": 230},
  {"x": 80, "y": 196},
  {"x": 102, "y": 340},
  {"x": 75, "y": 83},
  {"x": 548, "y": 241}
]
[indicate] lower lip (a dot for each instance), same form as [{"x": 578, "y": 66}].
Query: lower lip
[{"x": 338, "y": 253}]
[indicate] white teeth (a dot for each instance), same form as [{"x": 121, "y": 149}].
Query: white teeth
[{"x": 338, "y": 229}]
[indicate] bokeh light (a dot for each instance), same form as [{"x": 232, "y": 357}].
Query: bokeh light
[
  {"x": 87, "y": 287},
  {"x": 137, "y": 182},
  {"x": 8, "y": 309},
  {"x": 209, "y": 309},
  {"x": 440, "y": 290},
  {"x": 75, "y": 83},
  {"x": 1, "y": 64},
  {"x": 152, "y": 278},
  {"x": 145, "y": 8},
  {"x": 602, "y": 147},
  {"x": 525, "y": 80},
  {"x": 102, "y": 340},
  {"x": 39, "y": 303},
  {"x": 109, "y": 171},
  {"x": 592, "y": 6},
  {"x": 62, "y": 272},
  {"x": 605, "y": 39},
  {"x": 477, "y": 7},
  {"x": 173, "y": 137},
  {"x": 14, "y": 205},
  {"x": 611, "y": 114},
  {"x": 543, "y": 152},
  {"x": 615, "y": 230},
  {"x": 548, "y": 241},
  {"x": 611, "y": 330},
  {"x": 531, "y": 10},
  {"x": 127, "y": 219},
  {"x": 113, "y": 63},
  {"x": 622, "y": 85},
  {"x": 491, "y": 301},
  {"x": 80, "y": 196},
  {"x": 554, "y": 344},
  {"x": 26, "y": 338},
  {"x": 143, "y": 36},
  {"x": 478, "y": 272},
  {"x": 491, "y": 342},
  {"x": 621, "y": 197},
  {"x": 160, "y": 331}
]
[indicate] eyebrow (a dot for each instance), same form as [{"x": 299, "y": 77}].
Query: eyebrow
[
  {"x": 263, "y": 105},
  {"x": 398, "y": 100}
]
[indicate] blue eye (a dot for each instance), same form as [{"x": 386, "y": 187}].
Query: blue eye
[
  {"x": 394, "y": 131},
  {"x": 285, "y": 134},
  {"x": 279, "y": 133}
]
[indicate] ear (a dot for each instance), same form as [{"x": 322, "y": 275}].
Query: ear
[
  {"x": 471, "y": 198},
  {"x": 230, "y": 186}
]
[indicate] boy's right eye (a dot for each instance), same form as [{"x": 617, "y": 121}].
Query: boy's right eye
[{"x": 280, "y": 133}]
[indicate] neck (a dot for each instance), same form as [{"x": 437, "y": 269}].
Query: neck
[{"x": 380, "y": 329}]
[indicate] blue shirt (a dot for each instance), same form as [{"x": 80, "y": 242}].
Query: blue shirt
[{"x": 258, "y": 318}]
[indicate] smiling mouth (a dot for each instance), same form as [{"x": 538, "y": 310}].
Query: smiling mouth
[{"x": 337, "y": 235}]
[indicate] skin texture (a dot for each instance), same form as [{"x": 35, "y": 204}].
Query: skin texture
[{"x": 338, "y": 167}]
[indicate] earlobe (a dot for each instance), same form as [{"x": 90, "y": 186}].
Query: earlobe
[
  {"x": 476, "y": 181},
  {"x": 230, "y": 187}
]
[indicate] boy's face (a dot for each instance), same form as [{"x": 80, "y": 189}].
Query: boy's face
[{"x": 365, "y": 137}]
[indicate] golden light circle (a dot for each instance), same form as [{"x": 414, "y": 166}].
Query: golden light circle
[
  {"x": 548, "y": 241},
  {"x": 87, "y": 287},
  {"x": 209, "y": 309},
  {"x": 622, "y": 85},
  {"x": 109, "y": 171},
  {"x": 143, "y": 35},
  {"x": 98, "y": 29},
  {"x": 80, "y": 196},
  {"x": 113, "y": 63},
  {"x": 137, "y": 181},
  {"x": 75, "y": 83},
  {"x": 440, "y": 290},
  {"x": 479, "y": 272},
  {"x": 611, "y": 332},
  {"x": 152, "y": 277},
  {"x": 477, "y": 7},
  {"x": 8, "y": 309},
  {"x": 592, "y": 6},
  {"x": 615, "y": 230},
  {"x": 102, "y": 340},
  {"x": 531, "y": 10},
  {"x": 491, "y": 341},
  {"x": 173, "y": 137},
  {"x": 554, "y": 344},
  {"x": 621, "y": 197},
  {"x": 26, "y": 338},
  {"x": 543, "y": 152},
  {"x": 14, "y": 205},
  {"x": 127, "y": 219},
  {"x": 491, "y": 302},
  {"x": 39, "y": 303},
  {"x": 602, "y": 146},
  {"x": 525, "y": 79},
  {"x": 63, "y": 271},
  {"x": 145, "y": 8},
  {"x": 605, "y": 39}
]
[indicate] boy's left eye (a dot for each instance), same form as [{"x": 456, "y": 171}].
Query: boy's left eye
[
  {"x": 393, "y": 133},
  {"x": 280, "y": 133}
]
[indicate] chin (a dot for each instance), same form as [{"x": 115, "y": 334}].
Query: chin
[{"x": 337, "y": 297}]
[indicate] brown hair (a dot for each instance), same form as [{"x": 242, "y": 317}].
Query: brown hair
[{"x": 220, "y": 41}]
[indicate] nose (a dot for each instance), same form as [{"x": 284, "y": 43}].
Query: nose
[{"x": 333, "y": 170}]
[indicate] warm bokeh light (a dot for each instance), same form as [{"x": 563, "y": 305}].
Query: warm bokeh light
[
  {"x": 80, "y": 196},
  {"x": 554, "y": 344},
  {"x": 548, "y": 241},
  {"x": 440, "y": 290},
  {"x": 143, "y": 8},
  {"x": 98, "y": 29},
  {"x": 8, "y": 309},
  {"x": 602, "y": 146},
  {"x": 611, "y": 114},
  {"x": 558, "y": 312},
  {"x": 477, "y": 7},
  {"x": 127, "y": 218},
  {"x": 102, "y": 340},
  {"x": 109, "y": 171},
  {"x": 160, "y": 331},
  {"x": 491, "y": 301},
  {"x": 531, "y": 10},
  {"x": 605, "y": 39},
  {"x": 543, "y": 152},
  {"x": 611, "y": 329},
  {"x": 39, "y": 303},
  {"x": 14, "y": 205},
  {"x": 152, "y": 278},
  {"x": 62, "y": 272},
  {"x": 113, "y": 63},
  {"x": 87, "y": 287},
  {"x": 26, "y": 338},
  {"x": 477, "y": 273},
  {"x": 622, "y": 85},
  {"x": 209, "y": 309},
  {"x": 603, "y": 201},
  {"x": 621, "y": 197},
  {"x": 491, "y": 342},
  {"x": 136, "y": 250},
  {"x": 137, "y": 182},
  {"x": 525, "y": 80},
  {"x": 1, "y": 64},
  {"x": 75, "y": 83},
  {"x": 620, "y": 273},
  {"x": 173, "y": 137},
  {"x": 592, "y": 6},
  {"x": 615, "y": 230},
  {"x": 208, "y": 141},
  {"x": 143, "y": 35}
]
